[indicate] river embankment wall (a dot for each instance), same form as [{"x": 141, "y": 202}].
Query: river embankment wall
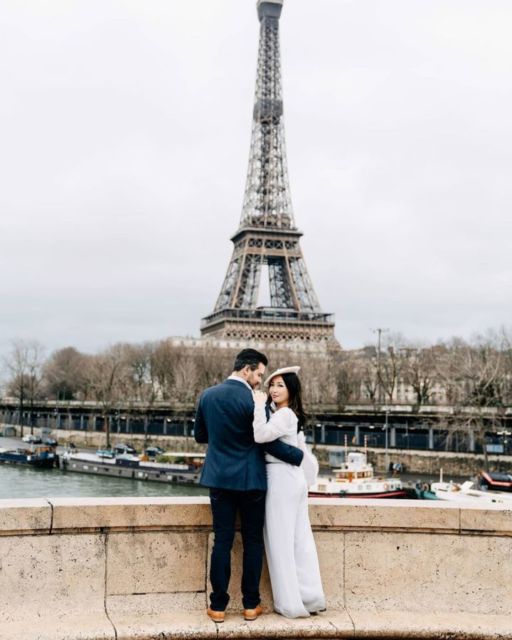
[
  {"x": 85, "y": 569},
  {"x": 415, "y": 461}
]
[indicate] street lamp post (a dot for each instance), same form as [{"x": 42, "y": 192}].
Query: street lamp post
[
  {"x": 386, "y": 454},
  {"x": 379, "y": 331}
]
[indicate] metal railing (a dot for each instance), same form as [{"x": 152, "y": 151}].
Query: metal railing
[{"x": 268, "y": 314}]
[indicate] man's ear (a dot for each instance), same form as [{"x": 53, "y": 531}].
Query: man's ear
[{"x": 246, "y": 370}]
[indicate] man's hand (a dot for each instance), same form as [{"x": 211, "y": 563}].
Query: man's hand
[{"x": 260, "y": 397}]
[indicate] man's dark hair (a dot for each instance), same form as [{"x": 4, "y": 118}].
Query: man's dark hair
[{"x": 249, "y": 357}]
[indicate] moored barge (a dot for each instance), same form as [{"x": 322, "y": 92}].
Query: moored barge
[
  {"x": 39, "y": 457},
  {"x": 185, "y": 468}
]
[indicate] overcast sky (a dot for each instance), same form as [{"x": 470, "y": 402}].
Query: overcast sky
[{"x": 124, "y": 140}]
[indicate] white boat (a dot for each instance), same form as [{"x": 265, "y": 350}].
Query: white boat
[
  {"x": 355, "y": 479},
  {"x": 468, "y": 493}
]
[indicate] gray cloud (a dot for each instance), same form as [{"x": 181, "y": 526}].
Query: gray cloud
[{"x": 125, "y": 133}]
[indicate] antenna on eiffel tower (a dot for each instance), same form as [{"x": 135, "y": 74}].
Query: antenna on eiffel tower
[{"x": 267, "y": 234}]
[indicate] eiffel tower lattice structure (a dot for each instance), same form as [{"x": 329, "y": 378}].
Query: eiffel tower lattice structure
[{"x": 267, "y": 240}]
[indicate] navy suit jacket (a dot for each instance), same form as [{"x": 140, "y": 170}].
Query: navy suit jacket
[{"x": 234, "y": 461}]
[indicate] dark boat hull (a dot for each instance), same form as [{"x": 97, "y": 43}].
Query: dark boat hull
[
  {"x": 102, "y": 468},
  {"x": 495, "y": 481},
  {"x": 28, "y": 460},
  {"x": 402, "y": 493}
]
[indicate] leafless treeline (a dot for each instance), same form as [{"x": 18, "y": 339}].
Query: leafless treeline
[{"x": 456, "y": 372}]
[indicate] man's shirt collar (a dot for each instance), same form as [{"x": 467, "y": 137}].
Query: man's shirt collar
[{"x": 239, "y": 379}]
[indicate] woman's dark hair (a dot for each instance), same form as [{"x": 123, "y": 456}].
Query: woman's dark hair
[{"x": 292, "y": 383}]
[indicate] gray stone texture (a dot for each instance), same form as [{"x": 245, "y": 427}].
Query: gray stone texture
[{"x": 93, "y": 568}]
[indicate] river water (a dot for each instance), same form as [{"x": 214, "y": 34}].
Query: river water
[
  {"x": 26, "y": 482},
  {"x": 18, "y": 481},
  {"x": 23, "y": 482}
]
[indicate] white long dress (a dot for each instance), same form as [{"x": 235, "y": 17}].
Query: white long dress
[{"x": 289, "y": 544}]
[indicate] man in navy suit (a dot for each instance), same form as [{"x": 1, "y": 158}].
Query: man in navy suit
[{"x": 234, "y": 470}]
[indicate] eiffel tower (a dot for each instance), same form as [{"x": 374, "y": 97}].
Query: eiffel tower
[{"x": 267, "y": 240}]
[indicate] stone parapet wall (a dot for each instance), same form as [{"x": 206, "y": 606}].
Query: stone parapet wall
[{"x": 137, "y": 568}]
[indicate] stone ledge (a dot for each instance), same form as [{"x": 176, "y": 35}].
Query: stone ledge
[
  {"x": 129, "y": 513},
  {"x": 355, "y": 624},
  {"x": 80, "y": 515},
  {"x": 18, "y": 517},
  {"x": 430, "y": 626},
  {"x": 357, "y": 514},
  {"x": 56, "y": 627}
]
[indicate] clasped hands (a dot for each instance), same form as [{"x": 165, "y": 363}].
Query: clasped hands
[{"x": 260, "y": 397}]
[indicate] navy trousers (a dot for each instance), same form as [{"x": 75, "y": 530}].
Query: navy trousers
[{"x": 225, "y": 505}]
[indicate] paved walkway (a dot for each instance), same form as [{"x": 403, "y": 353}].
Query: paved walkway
[{"x": 331, "y": 624}]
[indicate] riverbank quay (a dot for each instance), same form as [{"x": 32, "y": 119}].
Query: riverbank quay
[
  {"x": 402, "y": 426},
  {"x": 135, "y": 569},
  {"x": 415, "y": 461}
]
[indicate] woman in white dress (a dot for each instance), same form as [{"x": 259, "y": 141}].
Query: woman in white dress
[{"x": 289, "y": 544}]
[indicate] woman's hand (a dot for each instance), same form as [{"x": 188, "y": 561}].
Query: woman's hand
[{"x": 260, "y": 397}]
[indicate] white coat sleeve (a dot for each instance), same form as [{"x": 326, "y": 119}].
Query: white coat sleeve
[
  {"x": 309, "y": 464},
  {"x": 278, "y": 425}
]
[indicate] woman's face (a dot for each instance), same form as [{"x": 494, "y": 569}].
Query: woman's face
[{"x": 278, "y": 392}]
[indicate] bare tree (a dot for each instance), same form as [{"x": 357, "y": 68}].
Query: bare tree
[
  {"x": 213, "y": 364},
  {"x": 318, "y": 381},
  {"x": 391, "y": 364},
  {"x": 139, "y": 379},
  {"x": 476, "y": 370},
  {"x": 474, "y": 374},
  {"x": 63, "y": 374},
  {"x": 506, "y": 341},
  {"x": 370, "y": 373},
  {"x": 104, "y": 375},
  {"x": 24, "y": 364},
  {"x": 186, "y": 377},
  {"x": 163, "y": 365},
  {"x": 348, "y": 378},
  {"x": 142, "y": 384},
  {"x": 419, "y": 372}
]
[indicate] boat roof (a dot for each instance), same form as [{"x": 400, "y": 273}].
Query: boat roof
[
  {"x": 94, "y": 456},
  {"x": 183, "y": 454}
]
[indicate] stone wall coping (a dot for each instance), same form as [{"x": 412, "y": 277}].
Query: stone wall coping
[
  {"x": 51, "y": 515},
  {"x": 25, "y": 516},
  {"x": 334, "y": 623}
]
